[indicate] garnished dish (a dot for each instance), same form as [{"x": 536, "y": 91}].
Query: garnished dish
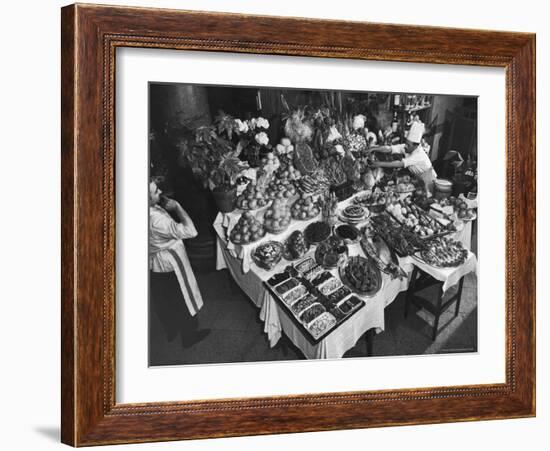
[
  {"x": 338, "y": 295},
  {"x": 294, "y": 294},
  {"x": 444, "y": 252},
  {"x": 361, "y": 276},
  {"x": 268, "y": 254},
  {"x": 277, "y": 217},
  {"x": 417, "y": 220},
  {"x": 331, "y": 253},
  {"x": 324, "y": 276},
  {"x": 279, "y": 278},
  {"x": 404, "y": 242},
  {"x": 317, "y": 232},
  {"x": 252, "y": 197},
  {"x": 286, "y": 286},
  {"x": 371, "y": 199},
  {"x": 303, "y": 304},
  {"x": 305, "y": 208},
  {"x": 347, "y": 233},
  {"x": 312, "y": 312},
  {"x": 305, "y": 265},
  {"x": 330, "y": 286},
  {"x": 313, "y": 273},
  {"x": 379, "y": 252},
  {"x": 353, "y": 214},
  {"x": 322, "y": 324},
  {"x": 295, "y": 246},
  {"x": 247, "y": 230}
]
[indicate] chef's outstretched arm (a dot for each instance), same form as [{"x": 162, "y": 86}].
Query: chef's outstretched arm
[{"x": 387, "y": 164}]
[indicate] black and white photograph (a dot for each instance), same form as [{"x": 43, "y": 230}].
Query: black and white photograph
[{"x": 294, "y": 224}]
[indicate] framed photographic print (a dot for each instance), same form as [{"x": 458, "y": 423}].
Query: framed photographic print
[{"x": 278, "y": 225}]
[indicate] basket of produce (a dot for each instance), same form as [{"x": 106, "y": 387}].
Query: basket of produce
[
  {"x": 252, "y": 198},
  {"x": 317, "y": 232},
  {"x": 277, "y": 217},
  {"x": 361, "y": 276},
  {"x": 444, "y": 252},
  {"x": 305, "y": 208},
  {"x": 247, "y": 230},
  {"x": 295, "y": 247},
  {"x": 268, "y": 254}
]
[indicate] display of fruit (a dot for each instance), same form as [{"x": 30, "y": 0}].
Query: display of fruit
[
  {"x": 268, "y": 254},
  {"x": 284, "y": 147},
  {"x": 270, "y": 163},
  {"x": 247, "y": 230},
  {"x": 277, "y": 217},
  {"x": 252, "y": 197},
  {"x": 305, "y": 208},
  {"x": 280, "y": 189},
  {"x": 295, "y": 246},
  {"x": 317, "y": 232},
  {"x": 361, "y": 276},
  {"x": 444, "y": 252},
  {"x": 287, "y": 170}
]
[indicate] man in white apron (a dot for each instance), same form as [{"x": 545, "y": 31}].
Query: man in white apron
[
  {"x": 415, "y": 158},
  {"x": 175, "y": 295}
]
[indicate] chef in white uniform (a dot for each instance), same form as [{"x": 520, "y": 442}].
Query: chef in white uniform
[
  {"x": 175, "y": 294},
  {"x": 415, "y": 158}
]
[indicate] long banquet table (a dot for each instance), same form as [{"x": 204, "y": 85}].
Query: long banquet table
[{"x": 276, "y": 319}]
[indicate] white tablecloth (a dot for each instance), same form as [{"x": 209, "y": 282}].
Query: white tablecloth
[
  {"x": 250, "y": 277},
  {"x": 276, "y": 318}
]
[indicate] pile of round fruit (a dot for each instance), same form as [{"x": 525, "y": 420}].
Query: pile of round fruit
[
  {"x": 277, "y": 217},
  {"x": 247, "y": 230},
  {"x": 287, "y": 170},
  {"x": 252, "y": 197},
  {"x": 305, "y": 208},
  {"x": 280, "y": 189}
]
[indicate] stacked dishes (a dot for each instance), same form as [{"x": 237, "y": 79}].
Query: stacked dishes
[{"x": 353, "y": 214}]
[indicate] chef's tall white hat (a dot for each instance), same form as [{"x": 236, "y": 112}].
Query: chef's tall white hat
[{"x": 416, "y": 132}]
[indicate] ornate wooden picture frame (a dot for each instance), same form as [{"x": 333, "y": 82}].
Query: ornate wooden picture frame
[{"x": 90, "y": 37}]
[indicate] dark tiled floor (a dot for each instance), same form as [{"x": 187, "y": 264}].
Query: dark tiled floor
[{"x": 237, "y": 332}]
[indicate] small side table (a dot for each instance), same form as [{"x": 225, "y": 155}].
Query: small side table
[{"x": 421, "y": 280}]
